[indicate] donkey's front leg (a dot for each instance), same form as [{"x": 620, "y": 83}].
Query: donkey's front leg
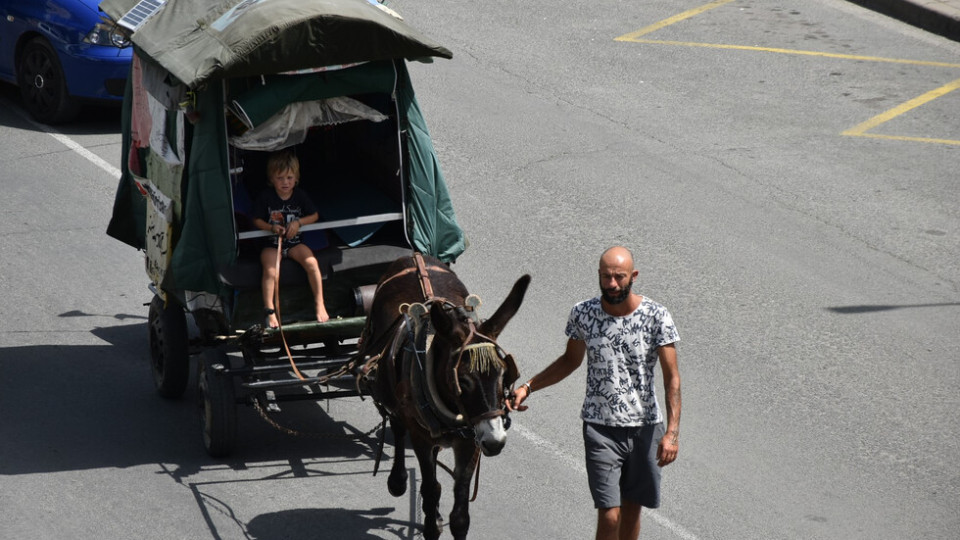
[
  {"x": 397, "y": 481},
  {"x": 466, "y": 455},
  {"x": 426, "y": 452}
]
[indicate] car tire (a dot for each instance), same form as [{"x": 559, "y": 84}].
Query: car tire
[{"x": 43, "y": 85}]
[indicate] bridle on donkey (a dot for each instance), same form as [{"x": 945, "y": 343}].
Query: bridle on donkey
[{"x": 418, "y": 366}]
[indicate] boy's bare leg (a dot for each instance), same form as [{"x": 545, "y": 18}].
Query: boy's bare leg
[
  {"x": 268, "y": 259},
  {"x": 303, "y": 255}
]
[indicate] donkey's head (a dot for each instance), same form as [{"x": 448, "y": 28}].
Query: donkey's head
[{"x": 475, "y": 373}]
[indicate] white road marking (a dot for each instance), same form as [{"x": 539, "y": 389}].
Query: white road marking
[
  {"x": 576, "y": 465},
  {"x": 70, "y": 143},
  {"x": 83, "y": 152}
]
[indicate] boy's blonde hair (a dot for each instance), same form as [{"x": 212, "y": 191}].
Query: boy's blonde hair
[{"x": 283, "y": 161}]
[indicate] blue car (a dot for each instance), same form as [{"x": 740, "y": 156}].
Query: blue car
[{"x": 61, "y": 52}]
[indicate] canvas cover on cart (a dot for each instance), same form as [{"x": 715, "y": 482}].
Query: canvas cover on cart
[
  {"x": 191, "y": 47},
  {"x": 201, "y": 40}
]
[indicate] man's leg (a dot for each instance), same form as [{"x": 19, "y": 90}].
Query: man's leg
[
  {"x": 630, "y": 521},
  {"x": 608, "y": 523},
  {"x": 605, "y": 449}
]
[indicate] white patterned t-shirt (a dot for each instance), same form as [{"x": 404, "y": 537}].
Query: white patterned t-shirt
[{"x": 621, "y": 356}]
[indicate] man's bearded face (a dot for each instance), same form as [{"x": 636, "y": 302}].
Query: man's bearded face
[{"x": 616, "y": 295}]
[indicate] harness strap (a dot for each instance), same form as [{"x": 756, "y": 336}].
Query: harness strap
[
  {"x": 424, "y": 276},
  {"x": 476, "y": 478},
  {"x": 383, "y": 439},
  {"x": 422, "y": 269}
]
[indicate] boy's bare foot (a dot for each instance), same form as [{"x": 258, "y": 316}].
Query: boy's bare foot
[
  {"x": 272, "y": 321},
  {"x": 322, "y": 315}
]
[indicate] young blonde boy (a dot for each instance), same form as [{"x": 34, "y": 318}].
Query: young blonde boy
[{"x": 283, "y": 210}]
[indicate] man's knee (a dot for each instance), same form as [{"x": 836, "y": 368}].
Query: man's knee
[
  {"x": 608, "y": 516},
  {"x": 608, "y": 523}
]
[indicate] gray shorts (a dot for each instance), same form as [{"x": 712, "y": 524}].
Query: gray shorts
[{"x": 622, "y": 463}]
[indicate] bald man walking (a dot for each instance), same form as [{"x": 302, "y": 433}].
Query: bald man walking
[{"x": 623, "y": 335}]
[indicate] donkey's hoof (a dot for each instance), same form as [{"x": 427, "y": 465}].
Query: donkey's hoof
[
  {"x": 433, "y": 533},
  {"x": 397, "y": 484}
]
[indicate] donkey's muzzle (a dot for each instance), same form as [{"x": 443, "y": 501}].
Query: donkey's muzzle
[{"x": 491, "y": 435}]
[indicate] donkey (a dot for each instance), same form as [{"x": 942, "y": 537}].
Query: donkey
[{"x": 436, "y": 372}]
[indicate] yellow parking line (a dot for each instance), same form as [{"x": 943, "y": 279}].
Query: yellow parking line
[
  {"x": 856, "y": 131},
  {"x": 632, "y": 36},
  {"x": 902, "y": 138},
  {"x": 861, "y": 129},
  {"x": 797, "y": 52}
]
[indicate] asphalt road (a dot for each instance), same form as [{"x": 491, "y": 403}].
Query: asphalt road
[{"x": 785, "y": 174}]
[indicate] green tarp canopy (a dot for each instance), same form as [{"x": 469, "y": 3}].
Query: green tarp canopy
[
  {"x": 199, "y": 40},
  {"x": 182, "y": 38}
]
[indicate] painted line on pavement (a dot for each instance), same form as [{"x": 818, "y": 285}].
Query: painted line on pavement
[
  {"x": 632, "y": 36},
  {"x": 860, "y": 130},
  {"x": 83, "y": 152},
  {"x": 796, "y": 52},
  {"x": 68, "y": 142},
  {"x": 907, "y": 138},
  {"x": 572, "y": 463}
]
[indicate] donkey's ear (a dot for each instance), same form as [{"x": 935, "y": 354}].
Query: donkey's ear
[
  {"x": 496, "y": 323},
  {"x": 441, "y": 319}
]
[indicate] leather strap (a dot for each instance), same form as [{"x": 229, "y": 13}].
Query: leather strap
[
  {"x": 422, "y": 269},
  {"x": 424, "y": 276}
]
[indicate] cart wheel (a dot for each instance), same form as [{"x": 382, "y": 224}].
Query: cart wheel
[
  {"x": 169, "y": 354},
  {"x": 217, "y": 404}
]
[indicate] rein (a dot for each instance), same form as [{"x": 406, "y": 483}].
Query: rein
[
  {"x": 276, "y": 308},
  {"x": 346, "y": 368}
]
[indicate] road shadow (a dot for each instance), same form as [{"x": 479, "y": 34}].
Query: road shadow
[
  {"x": 334, "y": 522},
  {"x": 223, "y": 521},
  {"x": 95, "y": 118},
  {"x": 71, "y": 408},
  {"x": 68, "y": 408},
  {"x": 872, "y": 308}
]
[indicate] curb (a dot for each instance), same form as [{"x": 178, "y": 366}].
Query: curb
[{"x": 925, "y": 14}]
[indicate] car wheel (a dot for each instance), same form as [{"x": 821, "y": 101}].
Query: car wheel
[{"x": 43, "y": 85}]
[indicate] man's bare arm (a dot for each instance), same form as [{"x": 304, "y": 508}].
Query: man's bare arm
[
  {"x": 669, "y": 445},
  {"x": 559, "y": 369}
]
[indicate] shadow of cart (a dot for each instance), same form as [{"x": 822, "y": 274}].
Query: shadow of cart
[{"x": 94, "y": 407}]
